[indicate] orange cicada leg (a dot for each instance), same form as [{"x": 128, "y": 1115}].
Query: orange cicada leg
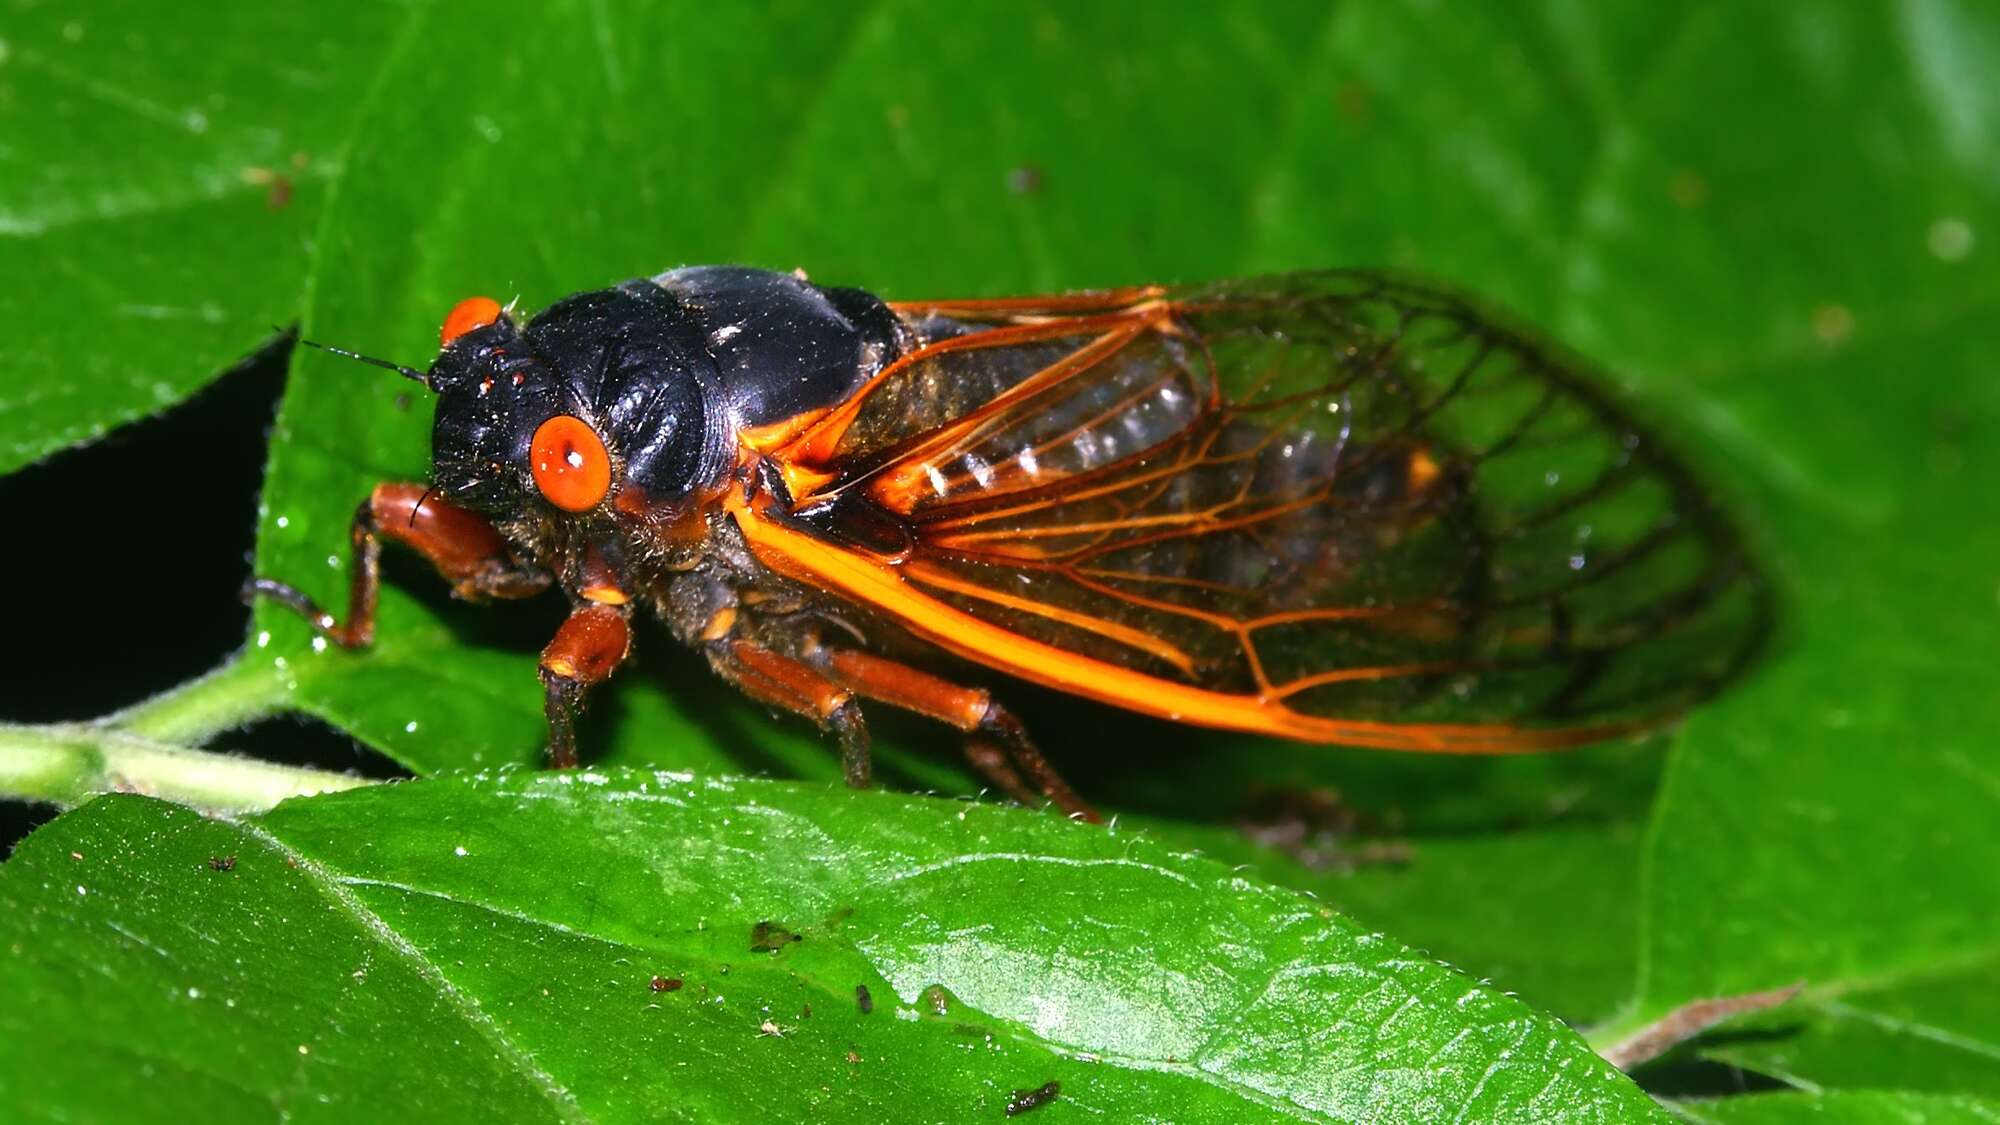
[
  {"x": 463, "y": 547},
  {"x": 795, "y": 686},
  {"x": 586, "y": 649},
  {"x": 996, "y": 745}
]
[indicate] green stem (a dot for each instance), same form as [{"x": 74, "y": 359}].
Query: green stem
[
  {"x": 69, "y": 764},
  {"x": 239, "y": 691}
]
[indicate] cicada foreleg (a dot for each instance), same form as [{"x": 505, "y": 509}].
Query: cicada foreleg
[
  {"x": 463, "y": 547},
  {"x": 589, "y": 646}
]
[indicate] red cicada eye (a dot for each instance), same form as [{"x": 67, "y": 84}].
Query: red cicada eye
[
  {"x": 570, "y": 464},
  {"x": 466, "y": 316}
]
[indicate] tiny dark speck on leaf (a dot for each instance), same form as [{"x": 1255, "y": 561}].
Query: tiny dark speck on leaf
[
  {"x": 1355, "y": 102},
  {"x": 1832, "y": 323},
  {"x": 666, "y": 984},
  {"x": 1021, "y": 1101},
  {"x": 1024, "y": 179},
  {"x": 1687, "y": 188},
  {"x": 1948, "y": 423},
  {"x": 769, "y": 937},
  {"x": 937, "y": 999},
  {"x": 222, "y": 863},
  {"x": 862, "y": 1000},
  {"x": 277, "y": 186}
]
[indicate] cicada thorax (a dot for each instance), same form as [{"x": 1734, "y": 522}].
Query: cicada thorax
[{"x": 613, "y": 418}]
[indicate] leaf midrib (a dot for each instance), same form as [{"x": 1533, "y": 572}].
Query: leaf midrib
[{"x": 345, "y": 904}]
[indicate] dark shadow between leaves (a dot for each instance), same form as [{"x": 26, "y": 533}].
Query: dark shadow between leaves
[
  {"x": 521, "y": 627},
  {"x": 1683, "y": 1076},
  {"x": 145, "y": 531},
  {"x": 296, "y": 739},
  {"x": 18, "y": 819}
]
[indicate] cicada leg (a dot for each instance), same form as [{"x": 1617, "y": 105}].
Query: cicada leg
[
  {"x": 588, "y": 647},
  {"x": 463, "y": 547},
  {"x": 795, "y": 686},
  {"x": 997, "y": 745},
  {"x": 473, "y": 557}
]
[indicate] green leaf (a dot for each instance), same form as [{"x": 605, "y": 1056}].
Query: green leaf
[
  {"x": 488, "y": 948},
  {"x": 1832, "y": 823},
  {"x": 162, "y": 179},
  {"x": 1486, "y": 863},
  {"x": 1858, "y": 1107}
]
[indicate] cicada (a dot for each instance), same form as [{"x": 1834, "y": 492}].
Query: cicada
[{"x": 1333, "y": 507}]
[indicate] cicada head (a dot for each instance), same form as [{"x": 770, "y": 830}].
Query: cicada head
[{"x": 601, "y": 393}]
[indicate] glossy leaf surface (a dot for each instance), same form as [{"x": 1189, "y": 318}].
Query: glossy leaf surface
[{"x": 639, "y": 947}]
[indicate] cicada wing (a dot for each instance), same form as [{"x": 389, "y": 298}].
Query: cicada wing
[{"x": 1340, "y": 498}]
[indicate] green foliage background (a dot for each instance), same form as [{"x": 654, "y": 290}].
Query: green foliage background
[{"x": 1776, "y": 226}]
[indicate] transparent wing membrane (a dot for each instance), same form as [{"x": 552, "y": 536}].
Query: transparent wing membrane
[{"x": 1333, "y": 496}]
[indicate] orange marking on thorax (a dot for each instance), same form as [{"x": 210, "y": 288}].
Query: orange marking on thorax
[
  {"x": 1423, "y": 469},
  {"x": 719, "y": 626},
  {"x": 600, "y": 583}
]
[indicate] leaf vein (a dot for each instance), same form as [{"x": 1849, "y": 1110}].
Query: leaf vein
[{"x": 344, "y": 901}]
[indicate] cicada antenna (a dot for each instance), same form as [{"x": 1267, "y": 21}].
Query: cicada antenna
[{"x": 405, "y": 371}]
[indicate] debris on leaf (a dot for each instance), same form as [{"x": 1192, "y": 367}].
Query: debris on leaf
[
  {"x": 1689, "y": 1020},
  {"x": 1021, "y": 1101},
  {"x": 769, "y": 937},
  {"x": 937, "y": 1000}
]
